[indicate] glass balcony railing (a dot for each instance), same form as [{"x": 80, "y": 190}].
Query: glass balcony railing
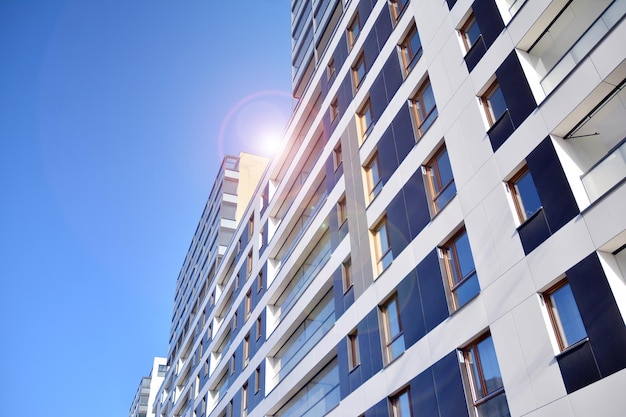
[
  {"x": 304, "y": 276},
  {"x": 553, "y": 69},
  {"x": 605, "y": 174},
  {"x": 306, "y": 336}
]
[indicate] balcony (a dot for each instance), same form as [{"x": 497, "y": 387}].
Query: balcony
[
  {"x": 570, "y": 38},
  {"x": 606, "y": 174}
]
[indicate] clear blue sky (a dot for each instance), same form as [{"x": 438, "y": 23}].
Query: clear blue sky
[{"x": 114, "y": 117}]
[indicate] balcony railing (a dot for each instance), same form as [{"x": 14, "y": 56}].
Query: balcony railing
[
  {"x": 581, "y": 48},
  {"x": 606, "y": 173}
]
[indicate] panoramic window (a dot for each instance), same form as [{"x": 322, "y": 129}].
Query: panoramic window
[
  {"x": 459, "y": 269},
  {"x": 483, "y": 374},
  {"x": 411, "y": 49},
  {"x": 566, "y": 321},
  {"x": 423, "y": 108},
  {"x": 393, "y": 338},
  {"x": 440, "y": 181},
  {"x": 524, "y": 194}
]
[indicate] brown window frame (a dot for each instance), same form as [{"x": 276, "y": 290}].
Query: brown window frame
[
  {"x": 354, "y": 358},
  {"x": 554, "y": 315},
  {"x": 410, "y": 57},
  {"x": 394, "y": 401},
  {"x": 389, "y": 339}
]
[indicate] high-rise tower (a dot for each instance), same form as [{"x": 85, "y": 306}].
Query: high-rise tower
[{"x": 442, "y": 233}]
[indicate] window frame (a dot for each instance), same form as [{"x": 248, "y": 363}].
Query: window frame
[
  {"x": 351, "y": 36},
  {"x": 346, "y": 274},
  {"x": 359, "y": 71},
  {"x": 452, "y": 269},
  {"x": 518, "y": 201},
  {"x": 334, "y": 109},
  {"x": 470, "y": 21},
  {"x": 394, "y": 410},
  {"x": 342, "y": 210},
  {"x": 434, "y": 180},
  {"x": 373, "y": 176},
  {"x": 337, "y": 156},
  {"x": 397, "y": 8},
  {"x": 259, "y": 327},
  {"x": 473, "y": 368},
  {"x": 408, "y": 56},
  {"x": 246, "y": 350},
  {"x": 417, "y": 104},
  {"x": 365, "y": 120},
  {"x": 354, "y": 357},
  {"x": 486, "y": 100},
  {"x": 388, "y": 339},
  {"x": 382, "y": 255},
  {"x": 248, "y": 305},
  {"x": 555, "y": 316}
]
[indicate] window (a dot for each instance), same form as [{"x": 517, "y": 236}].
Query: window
[
  {"x": 401, "y": 404},
  {"x": 337, "y": 156},
  {"x": 334, "y": 109},
  {"x": 353, "y": 350},
  {"x": 374, "y": 180},
  {"x": 233, "y": 360},
  {"x": 354, "y": 28},
  {"x": 235, "y": 320},
  {"x": 358, "y": 72},
  {"x": 384, "y": 255},
  {"x": 564, "y": 315},
  {"x": 257, "y": 379},
  {"x": 494, "y": 104},
  {"x": 393, "y": 338},
  {"x": 470, "y": 32},
  {"x": 459, "y": 269},
  {"x": 524, "y": 193},
  {"x": 330, "y": 68},
  {"x": 259, "y": 281},
  {"x": 248, "y": 305},
  {"x": 346, "y": 274},
  {"x": 259, "y": 329},
  {"x": 397, "y": 7},
  {"x": 342, "y": 211},
  {"x": 439, "y": 179},
  {"x": 423, "y": 108},
  {"x": 249, "y": 263},
  {"x": 206, "y": 368},
  {"x": 246, "y": 349},
  {"x": 365, "y": 120},
  {"x": 244, "y": 400},
  {"x": 485, "y": 382},
  {"x": 250, "y": 226},
  {"x": 411, "y": 49}
]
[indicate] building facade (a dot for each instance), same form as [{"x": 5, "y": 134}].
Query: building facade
[
  {"x": 147, "y": 390},
  {"x": 442, "y": 233}
]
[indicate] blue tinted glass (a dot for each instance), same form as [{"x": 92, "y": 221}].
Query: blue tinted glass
[
  {"x": 468, "y": 290},
  {"x": 445, "y": 171},
  {"x": 445, "y": 196},
  {"x": 472, "y": 32},
  {"x": 465, "y": 259},
  {"x": 489, "y": 363},
  {"x": 392, "y": 318},
  {"x": 415, "y": 42},
  {"x": 495, "y": 407},
  {"x": 397, "y": 347},
  {"x": 428, "y": 99},
  {"x": 527, "y": 192},
  {"x": 572, "y": 325},
  {"x": 403, "y": 405},
  {"x": 497, "y": 103}
]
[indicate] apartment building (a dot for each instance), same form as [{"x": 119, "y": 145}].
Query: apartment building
[
  {"x": 442, "y": 232},
  {"x": 148, "y": 387}
]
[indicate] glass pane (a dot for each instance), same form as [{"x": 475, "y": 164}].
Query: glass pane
[
  {"x": 525, "y": 188},
  {"x": 396, "y": 348},
  {"x": 429, "y": 99},
  {"x": 445, "y": 171},
  {"x": 495, "y": 407},
  {"x": 465, "y": 260},
  {"x": 467, "y": 291},
  {"x": 382, "y": 235},
  {"x": 489, "y": 362},
  {"x": 393, "y": 323},
  {"x": 415, "y": 43},
  {"x": 497, "y": 103},
  {"x": 476, "y": 379},
  {"x": 472, "y": 32},
  {"x": 572, "y": 327},
  {"x": 402, "y": 405}
]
